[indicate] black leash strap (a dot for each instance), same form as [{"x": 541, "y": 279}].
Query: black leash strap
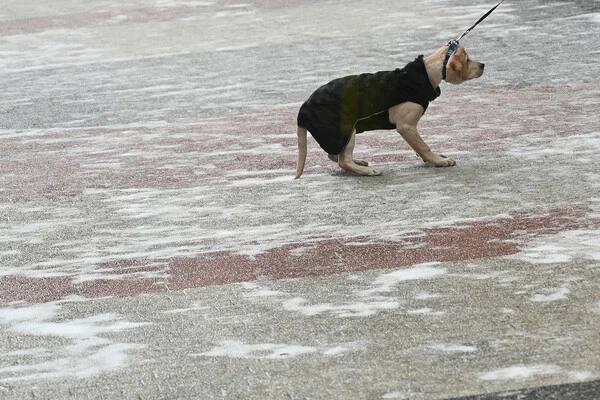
[{"x": 480, "y": 19}]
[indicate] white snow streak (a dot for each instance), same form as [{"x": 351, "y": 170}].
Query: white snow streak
[
  {"x": 87, "y": 351},
  {"x": 236, "y": 349}
]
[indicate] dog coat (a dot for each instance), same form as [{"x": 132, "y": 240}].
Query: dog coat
[{"x": 361, "y": 103}]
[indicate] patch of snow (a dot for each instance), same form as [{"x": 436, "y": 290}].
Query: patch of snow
[
  {"x": 452, "y": 348},
  {"x": 562, "y": 247},
  {"x": 397, "y": 395},
  {"x": 376, "y": 299},
  {"x": 359, "y": 309},
  {"x": 387, "y": 282},
  {"x": 581, "y": 375},
  {"x": 236, "y": 349},
  {"x": 520, "y": 372},
  {"x": 552, "y": 295},
  {"x": 86, "y": 352},
  {"x": 195, "y": 307}
]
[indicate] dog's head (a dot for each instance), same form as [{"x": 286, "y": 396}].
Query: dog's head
[{"x": 461, "y": 68}]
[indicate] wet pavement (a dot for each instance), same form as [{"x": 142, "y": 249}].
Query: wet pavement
[{"x": 154, "y": 244}]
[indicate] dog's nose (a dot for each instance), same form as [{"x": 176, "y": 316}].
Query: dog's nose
[{"x": 482, "y": 65}]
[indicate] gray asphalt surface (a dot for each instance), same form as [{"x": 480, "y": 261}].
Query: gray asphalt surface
[
  {"x": 574, "y": 391},
  {"x": 155, "y": 246}
]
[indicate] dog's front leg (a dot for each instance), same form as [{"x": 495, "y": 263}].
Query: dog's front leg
[
  {"x": 406, "y": 116},
  {"x": 412, "y": 137},
  {"x": 334, "y": 158}
]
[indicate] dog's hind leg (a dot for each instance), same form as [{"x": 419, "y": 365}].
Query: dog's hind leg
[{"x": 346, "y": 162}]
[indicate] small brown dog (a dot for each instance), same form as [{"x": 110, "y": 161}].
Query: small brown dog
[{"x": 397, "y": 99}]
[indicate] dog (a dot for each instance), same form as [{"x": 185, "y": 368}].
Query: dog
[{"x": 397, "y": 99}]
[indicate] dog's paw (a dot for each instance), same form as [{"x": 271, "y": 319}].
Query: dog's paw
[{"x": 440, "y": 160}]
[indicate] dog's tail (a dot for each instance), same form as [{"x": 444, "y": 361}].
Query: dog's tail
[{"x": 301, "y": 151}]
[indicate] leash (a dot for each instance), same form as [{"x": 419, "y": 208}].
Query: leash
[
  {"x": 479, "y": 21},
  {"x": 453, "y": 45}
]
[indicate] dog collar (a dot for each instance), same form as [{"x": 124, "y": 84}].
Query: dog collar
[{"x": 452, "y": 47}]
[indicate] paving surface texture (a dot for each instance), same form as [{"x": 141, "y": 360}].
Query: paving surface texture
[{"x": 154, "y": 245}]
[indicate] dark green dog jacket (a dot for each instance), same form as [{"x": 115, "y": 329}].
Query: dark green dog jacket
[{"x": 362, "y": 102}]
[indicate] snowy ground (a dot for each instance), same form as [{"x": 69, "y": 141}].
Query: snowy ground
[{"x": 153, "y": 243}]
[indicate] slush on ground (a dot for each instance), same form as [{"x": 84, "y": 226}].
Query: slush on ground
[{"x": 154, "y": 244}]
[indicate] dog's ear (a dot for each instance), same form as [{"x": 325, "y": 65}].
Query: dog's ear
[
  {"x": 455, "y": 66},
  {"x": 456, "y": 60}
]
